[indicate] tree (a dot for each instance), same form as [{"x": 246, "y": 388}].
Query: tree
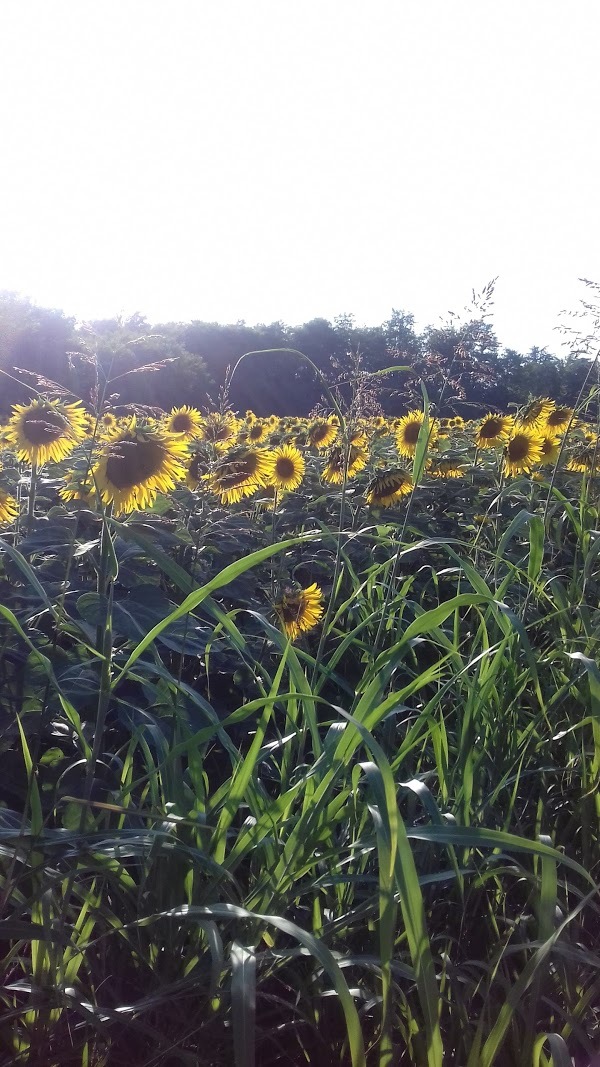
[{"x": 35, "y": 340}]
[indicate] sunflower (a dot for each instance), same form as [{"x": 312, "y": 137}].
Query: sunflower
[
  {"x": 584, "y": 461},
  {"x": 383, "y": 428},
  {"x": 100, "y": 427},
  {"x": 550, "y": 449},
  {"x": 89, "y": 425},
  {"x": 523, "y": 449},
  {"x": 558, "y": 419},
  {"x": 79, "y": 485},
  {"x": 137, "y": 464},
  {"x": 446, "y": 469},
  {"x": 46, "y": 430},
  {"x": 196, "y": 470},
  {"x": 287, "y": 469},
  {"x": 220, "y": 430},
  {"x": 185, "y": 420},
  {"x": 537, "y": 412},
  {"x": 269, "y": 497},
  {"x": 358, "y": 437},
  {"x": 108, "y": 425},
  {"x": 356, "y": 458},
  {"x": 240, "y": 476},
  {"x": 300, "y": 610},
  {"x": 493, "y": 430},
  {"x": 322, "y": 433},
  {"x": 386, "y": 489},
  {"x": 407, "y": 432},
  {"x": 9, "y": 509},
  {"x": 457, "y": 423},
  {"x": 257, "y": 432}
]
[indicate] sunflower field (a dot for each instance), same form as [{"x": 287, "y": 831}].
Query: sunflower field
[{"x": 300, "y": 737}]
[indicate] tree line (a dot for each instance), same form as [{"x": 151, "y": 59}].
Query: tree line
[{"x": 168, "y": 364}]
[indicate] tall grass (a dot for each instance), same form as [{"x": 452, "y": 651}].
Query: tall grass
[{"x": 376, "y": 847}]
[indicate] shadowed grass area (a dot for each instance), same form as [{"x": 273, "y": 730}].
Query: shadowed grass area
[{"x": 375, "y": 845}]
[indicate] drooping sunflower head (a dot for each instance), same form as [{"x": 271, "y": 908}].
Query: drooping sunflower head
[
  {"x": 523, "y": 450},
  {"x": 79, "y": 485},
  {"x": 322, "y": 433},
  {"x": 446, "y": 468},
  {"x": 558, "y": 419},
  {"x": 240, "y": 475},
  {"x": 585, "y": 460},
  {"x": 46, "y": 431},
  {"x": 299, "y": 610},
  {"x": 352, "y": 460},
  {"x": 357, "y": 436},
  {"x": 137, "y": 464},
  {"x": 287, "y": 468},
  {"x": 550, "y": 449},
  {"x": 220, "y": 430},
  {"x": 186, "y": 421},
  {"x": 197, "y": 467},
  {"x": 408, "y": 429},
  {"x": 536, "y": 413},
  {"x": 89, "y": 424},
  {"x": 493, "y": 430},
  {"x": 9, "y": 509},
  {"x": 387, "y": 488}
]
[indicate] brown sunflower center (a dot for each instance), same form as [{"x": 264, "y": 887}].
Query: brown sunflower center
[
  {"x": 290, "y": 608},
  {"x": 411, "y": 433},
  {"x": 558, "y": 416},
  {"x": 181, "y": 423},
  {"x": 247, "y": 468},
  {"x": 232, "y": 479},
  {"x": 133, "y": 462},
  {"x": 197, "y": 468},
  {"x": 285, "y": 467},
  {"x": 336, "y": 459},
  {"x": 43, "y": 425},
  {"x": 319, "y": 433},
  {"x": 217, "y": 431},
  {"x": 518, "y": 448},
  {"x": 534, "y": 410},
  {"x": 491, "y": 428},
  {"x": 255, "y": 433}
]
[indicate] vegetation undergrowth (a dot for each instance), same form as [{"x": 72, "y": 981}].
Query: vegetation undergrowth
[{"x": 301, "y": 758}]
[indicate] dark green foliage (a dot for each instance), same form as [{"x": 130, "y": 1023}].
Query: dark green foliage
[{"x": 479, "y": 374}]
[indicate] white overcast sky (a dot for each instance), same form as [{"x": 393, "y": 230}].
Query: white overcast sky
[{"x": 284, "y": 160}]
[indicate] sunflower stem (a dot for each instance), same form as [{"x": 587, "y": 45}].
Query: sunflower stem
[
  {"x": 273, "y": 519},
  {"x": 336, "y": 571},
  {"x": 32, "y": 491}
]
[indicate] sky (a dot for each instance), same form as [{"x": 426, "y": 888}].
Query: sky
[{"x": 283, "y": 161}]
